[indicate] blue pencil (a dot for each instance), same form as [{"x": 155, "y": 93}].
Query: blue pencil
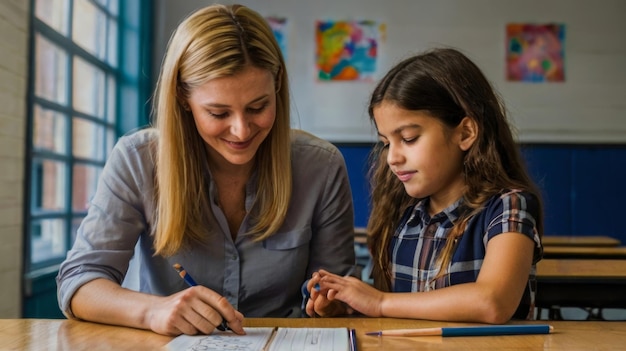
[
  {"x": 487, "y": 330},
  {"x": 183, "y": 274},
  {"x": 189, "y": 280}
]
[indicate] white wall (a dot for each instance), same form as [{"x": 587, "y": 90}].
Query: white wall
[
  {"x": 590, "y": 106},
  {"x": 13, "y": 46}
]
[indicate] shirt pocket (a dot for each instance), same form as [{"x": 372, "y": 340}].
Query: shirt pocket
[{"x": 288, "y": 240}]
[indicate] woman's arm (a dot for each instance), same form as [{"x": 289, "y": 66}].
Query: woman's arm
[
  {"x": 332, "y": 246},
  {"x": 196, "y": 310},
  {"x": 90, "y": 277}
]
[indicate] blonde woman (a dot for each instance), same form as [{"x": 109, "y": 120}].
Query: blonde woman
[{"x": 220, "y": 185}]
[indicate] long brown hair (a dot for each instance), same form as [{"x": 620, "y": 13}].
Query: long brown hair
[
  {"x": 449, "y": 86},
  {"x": 215, "y": 41}
]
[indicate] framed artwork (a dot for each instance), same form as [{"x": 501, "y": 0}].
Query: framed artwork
[
  {"x": 279, "y": 28},
  {"x": 535, "y": 52},
  {"x": 346, "y": 50}
]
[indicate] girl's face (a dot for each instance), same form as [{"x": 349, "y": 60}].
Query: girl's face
[
  {"x": 425, "y": 155},
  {"x": 234, "y": 115}
]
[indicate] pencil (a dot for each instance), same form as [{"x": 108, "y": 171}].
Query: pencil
[
  {"x": 189, "y": 280},
  {"x": 183, "y": 274},
  {"x": 488, "y": 330}
]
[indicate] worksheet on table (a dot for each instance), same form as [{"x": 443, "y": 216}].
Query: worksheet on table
[{"x": 257, "y": 339}]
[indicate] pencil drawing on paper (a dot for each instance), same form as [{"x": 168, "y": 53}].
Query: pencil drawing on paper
[{"x": 254, "y": 340}]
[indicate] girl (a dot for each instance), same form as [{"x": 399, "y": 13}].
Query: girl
[{"x": 456, "y": 224}]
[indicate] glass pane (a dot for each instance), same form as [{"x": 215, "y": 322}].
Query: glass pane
[
  {"x": 114, "y": 6},
  {"x": 50, "y": 71},
  {"x": 47, "y": 240},
  {"x": 49, "y": 189},
  {"x": 111, "y": 139},
  {"x": 89, "y": 28},
  {"x": 84, "y": 181},
  {"x": 112, "y": 42},
  {"x": 54, "y": 13},
  {"x": 49, "y": 130},
  {"x": 111, "y": 100},
  {"x": 75, "y": 224},
  {"x": 88, "y": 88},
  {"x": 87, "y": 139}
]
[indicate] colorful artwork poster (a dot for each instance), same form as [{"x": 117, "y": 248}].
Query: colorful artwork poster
[
  {"x": 346, "y": 50},
  {"x": 535, "y": 52},
  {"x": 279, "y": 28}
]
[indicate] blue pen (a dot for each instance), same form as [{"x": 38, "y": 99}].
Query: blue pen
[
  {"x": 305, "y": 292},
  {"x": 189, "y": 280},
  {"x": 352, "y": 337}
]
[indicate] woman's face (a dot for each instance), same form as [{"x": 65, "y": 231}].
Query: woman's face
[{"x": 234, "y": 115}]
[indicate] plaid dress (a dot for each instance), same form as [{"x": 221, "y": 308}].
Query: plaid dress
[{"x": 419, "y": 239}]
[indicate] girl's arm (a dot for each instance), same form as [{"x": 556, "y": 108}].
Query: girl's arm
[{"x": 493, "y": 298}]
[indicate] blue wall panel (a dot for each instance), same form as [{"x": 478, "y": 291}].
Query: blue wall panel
[
  {"x": 550, "y": 168},
  {"x": 581, "y": 185},
  {"x": 356, "y": 156},
  {"x": 598, "y": 176}
]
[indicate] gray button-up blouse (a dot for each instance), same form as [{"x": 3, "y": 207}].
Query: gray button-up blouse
[{"x": 260, "y": 279}]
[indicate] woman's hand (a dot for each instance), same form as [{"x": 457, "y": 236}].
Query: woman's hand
[
  {"x": 195, "y": 310},
  {"x": 358, "y": 295}
]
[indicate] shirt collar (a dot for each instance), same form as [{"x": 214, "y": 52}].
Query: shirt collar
[{"x": 420, "y": 212}]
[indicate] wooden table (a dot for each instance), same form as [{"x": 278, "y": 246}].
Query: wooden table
[
  {"x": 584, "y": 252},
  {"x": 585, "y": 283},
  {"x": 51, "y": 334},
  {"x": 584, "y": 241}
]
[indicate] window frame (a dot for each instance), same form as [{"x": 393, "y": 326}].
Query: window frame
[{"x": 133, "y": 50}]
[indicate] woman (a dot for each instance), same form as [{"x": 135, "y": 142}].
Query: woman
[{"x": 220, "y": 185}]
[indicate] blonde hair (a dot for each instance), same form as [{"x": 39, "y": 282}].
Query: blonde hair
[{"x": 215, "y": 41}]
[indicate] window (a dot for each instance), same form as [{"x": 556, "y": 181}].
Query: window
[{"x": 83, "y": 53}]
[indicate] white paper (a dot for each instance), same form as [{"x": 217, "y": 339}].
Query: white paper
[
  {"x": 310, "y": 339},
  {"x": 254, "y": 340}
]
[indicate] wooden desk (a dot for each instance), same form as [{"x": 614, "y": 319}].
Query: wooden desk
[
  {"x": 585, "y": 241},
  {"x": 360, "y": 235},
  {"x": 584, "y": 283},
  {"x": 582, "y": 252},
  {"x": 50, "y": 334},
  {"x": 582, "y": 269},
  {"x": 549, "y": 241}
]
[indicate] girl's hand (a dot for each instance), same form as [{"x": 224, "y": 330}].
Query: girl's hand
[
  {"x": 195, "y": 310},
  {"x": 357, "y": 294},
  {"x": 318, "y": 304}
]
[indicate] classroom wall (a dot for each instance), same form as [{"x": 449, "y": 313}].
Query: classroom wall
[
  {"x": 13, "y": 78},
  {"x": 572, "y": 134},
  {"x": 588, "y": 107}
]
